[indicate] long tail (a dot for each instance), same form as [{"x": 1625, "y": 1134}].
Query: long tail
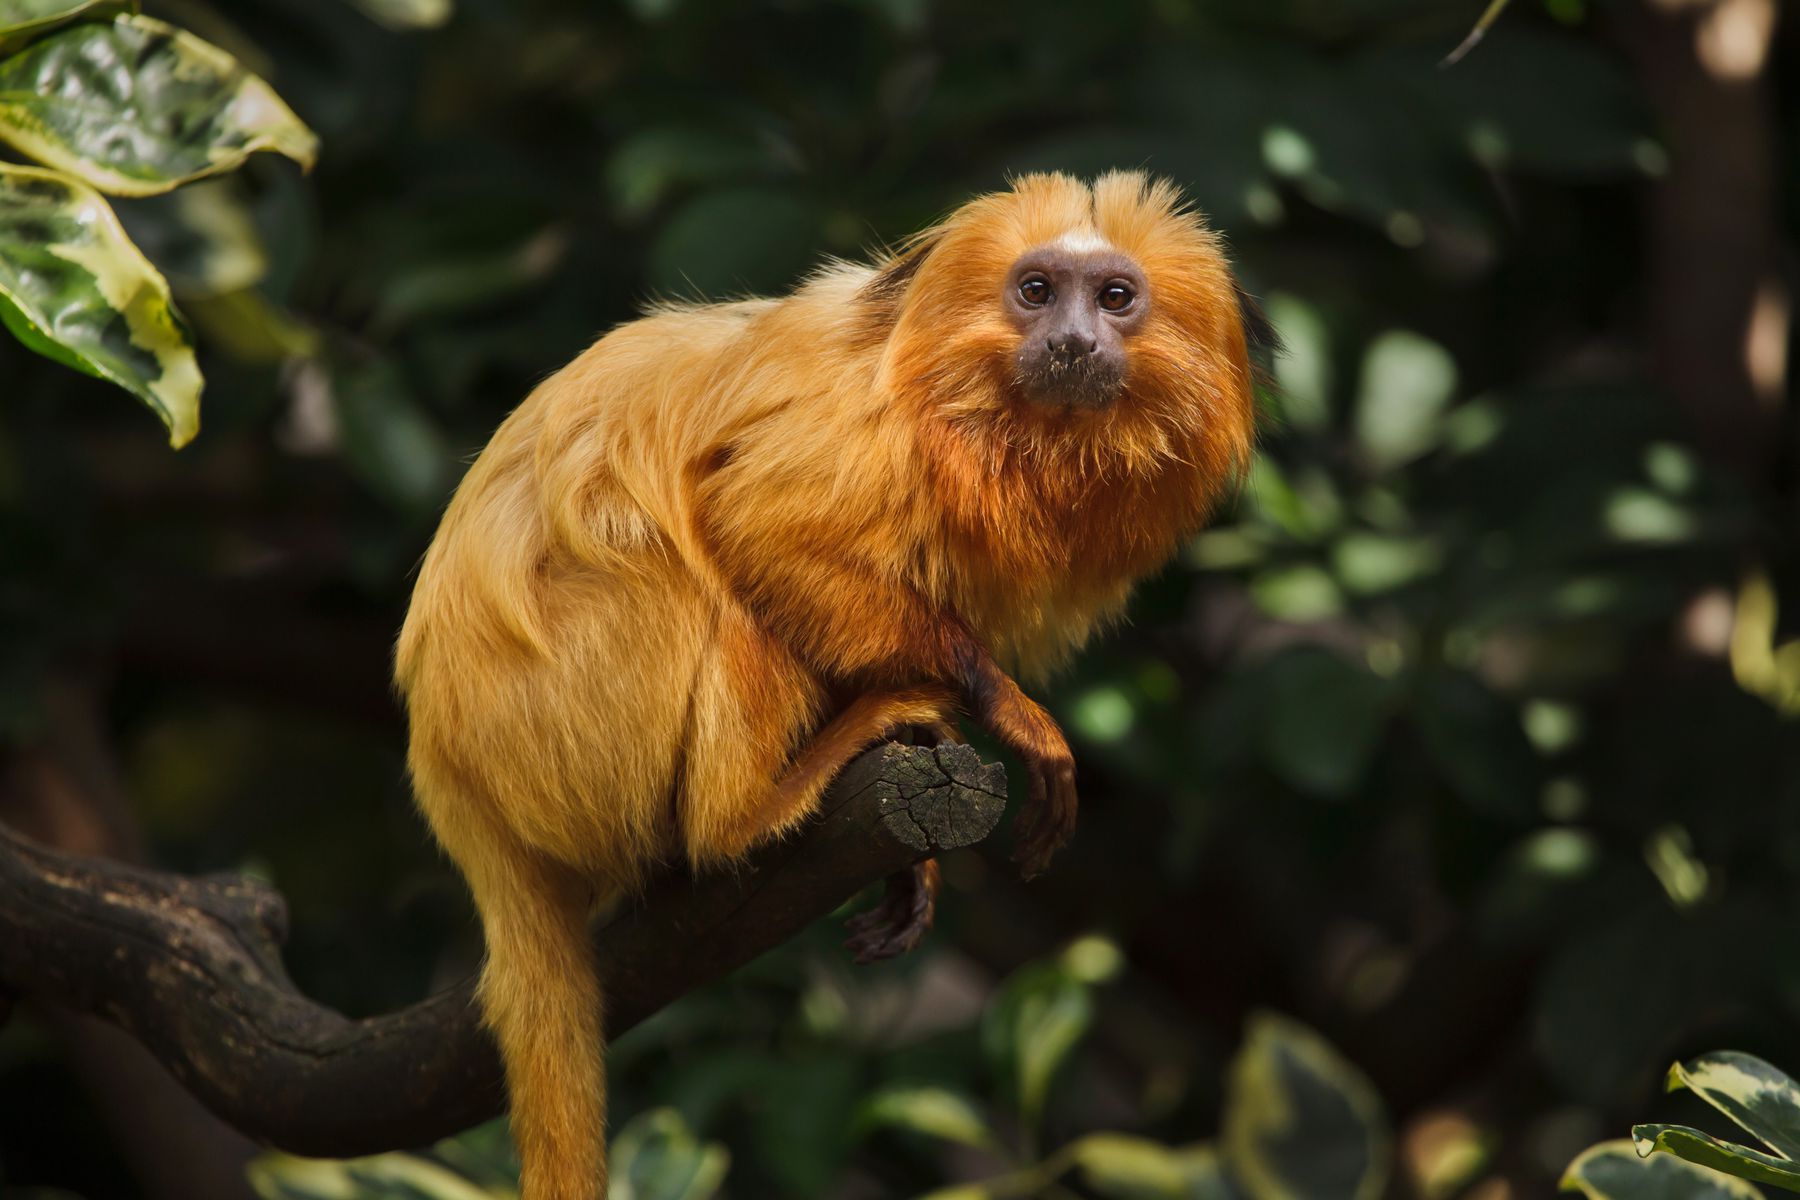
[{"x": 540, "y": 993}]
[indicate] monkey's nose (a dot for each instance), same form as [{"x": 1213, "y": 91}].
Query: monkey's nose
[{"x": 1071, "y": 345}]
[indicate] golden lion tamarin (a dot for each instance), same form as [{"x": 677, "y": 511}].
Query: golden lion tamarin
[{"x": 732, "y": 545}]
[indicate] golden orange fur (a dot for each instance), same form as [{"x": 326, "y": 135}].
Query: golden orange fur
[{"x": 730, "y": 545}]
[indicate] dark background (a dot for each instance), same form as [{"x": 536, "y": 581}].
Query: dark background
[{"x": 1464, "y": 736}]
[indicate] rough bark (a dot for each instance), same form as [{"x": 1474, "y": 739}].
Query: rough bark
[{"x": 191, "y": 966}]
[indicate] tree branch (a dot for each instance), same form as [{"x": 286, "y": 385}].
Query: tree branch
[{"x": 191, "y": 966}]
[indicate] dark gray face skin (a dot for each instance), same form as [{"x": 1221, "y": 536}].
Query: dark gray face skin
[{"x": 1074, "y": 310}]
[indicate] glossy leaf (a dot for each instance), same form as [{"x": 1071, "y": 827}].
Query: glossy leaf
[
  {"x": 1759, "y": 1097},
  {"x": 1300, "y": 1120},
  {"x": 137, "y": 107},
  {"x": 22, "y": 20},
  {"x": 1708, "y": 1151},
  {"x": 74, "y": 288},
  {"x": 1613, "y": 1171}
]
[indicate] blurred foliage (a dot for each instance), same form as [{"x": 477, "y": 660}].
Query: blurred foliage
[
  {"x": 655, "y": 1157},
  {"x": 1464, "y": 735}
]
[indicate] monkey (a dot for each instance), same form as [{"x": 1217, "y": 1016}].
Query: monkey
[{"x": 732, "y": 545}]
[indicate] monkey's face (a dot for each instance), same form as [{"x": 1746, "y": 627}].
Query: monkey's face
[
  {"x": 1074, "y": 324},
  {"x": 1074, "y": 305}
]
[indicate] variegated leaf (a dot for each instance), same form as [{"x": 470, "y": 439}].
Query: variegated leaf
[
  {"x": 1613, "y": 1171},
  {"x": 1759, "y": 1097},
  {"x": 137, "y": 107},
  {"x": 1708, "y": 1151},
  {"x": 73, "y": 287},
  {"x": 283, "y": 1177},
  {"x": 22, "y": 20},
  {"x": 1300, "y": 1120}
]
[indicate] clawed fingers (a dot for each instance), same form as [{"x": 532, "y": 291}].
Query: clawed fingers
[{"x": 1048, "y": 819}]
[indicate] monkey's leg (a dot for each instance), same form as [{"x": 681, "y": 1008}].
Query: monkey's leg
[
  {"x": 909, "y": 898},
  {"x": 540, "y": 994},
  {"x": 868, "y": 719},
  {"x": 909, "y": 905}
]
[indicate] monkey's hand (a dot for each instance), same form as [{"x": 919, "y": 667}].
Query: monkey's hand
[
  {"x": 901, "y": 920},
  {"x": 1022, "y": 725},
  {"x": 1048, "y": 818}
]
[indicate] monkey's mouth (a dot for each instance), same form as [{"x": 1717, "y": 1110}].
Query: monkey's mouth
[{"x": 1083, "y": 381}]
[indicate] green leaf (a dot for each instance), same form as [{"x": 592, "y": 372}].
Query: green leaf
[
  {"x": 1708, "y": 1151},
  {"x": 1300, "y": 1120},
  {"x": 383, "y": 1177},
  {"x": 735, "y": 240},
  {"x": 1613, "y": 1171},
  {"x": 252, "y": 329},
  {"x": 657, "y": 1157},
  {"x": 407, "y": 15},
  {"x": 651, "y": 164},
  {"x": 22, "y": 20},
  {"x": 1759, "y": 1097},
  {"x": 485, "y": 1154},
  {"x": 202, "y": 237},
  {"x": 1370, "y": 563},
  {"x": 389, "y": 440},
  {"x": 1326, "y": 716},
  {"x": 933, "y": 1111},
  {"x": 1120, "y": 1167},
  {"x": 1476, "y": 740},
  {"x": 806, "y": 1138},
  {"x": 73, "y": 287},
  {"x": 141, "y": 107},
  {"x": 1029, "y": 1029},
  {"x": 1407, "y": 381}
]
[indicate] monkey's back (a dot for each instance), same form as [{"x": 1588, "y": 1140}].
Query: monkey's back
[{"x": 563, "y": 619}]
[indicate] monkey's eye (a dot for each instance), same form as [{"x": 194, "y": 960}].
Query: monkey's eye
[
  {"x": 1035, "y": 291},
  {"x": 1116, "y": 297}
]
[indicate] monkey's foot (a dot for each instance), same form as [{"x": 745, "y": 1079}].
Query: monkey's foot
[{"x": 902, "y": 918}]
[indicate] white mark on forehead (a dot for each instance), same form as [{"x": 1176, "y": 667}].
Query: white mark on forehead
[{"x": 1083, "y": 241}]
